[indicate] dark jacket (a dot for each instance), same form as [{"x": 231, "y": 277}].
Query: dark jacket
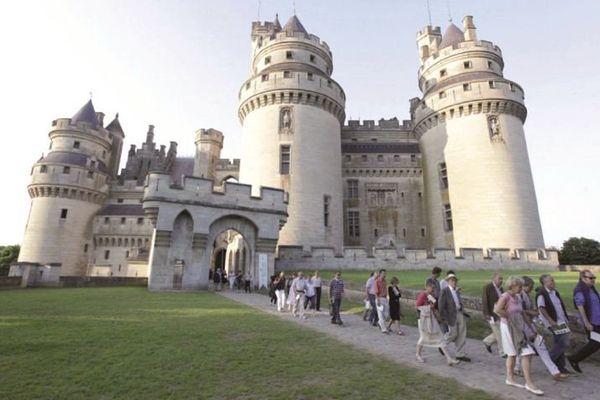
[
  {"x": 586, "y": 291},
  {"x": 489, "y": 299},
  {"x": 447, "y": 307},
  {"x": 541, "y": 291}
]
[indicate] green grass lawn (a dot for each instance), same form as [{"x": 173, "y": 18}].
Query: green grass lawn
[
  {"x": 471, "y": 282},
  {"x": 105, "y": 343}
]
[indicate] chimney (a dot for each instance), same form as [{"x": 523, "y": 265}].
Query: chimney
[
  {"x": 469, "y": 29},
  {"x": 150, "y": 134}
]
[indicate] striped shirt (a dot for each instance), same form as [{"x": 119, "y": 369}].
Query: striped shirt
[{"x": 336, "y": 288}]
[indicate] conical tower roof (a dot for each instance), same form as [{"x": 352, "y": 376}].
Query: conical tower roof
[
  {"x": 452, "y": 36},
  {"x": 276, "y": 23},
  {"x": 86, "y": 114},
  {"x": 115, "y": 126},
  {"x": 294, "y": 25}
]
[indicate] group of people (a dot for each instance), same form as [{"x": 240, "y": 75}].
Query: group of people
[
  {"x": 382, "y": 305},
  {"x": 519, "y": 324},
  {"x": 235, "y": 280},
  {"x": 296, "y": 293}
]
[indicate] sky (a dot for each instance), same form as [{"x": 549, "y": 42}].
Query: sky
[{"x": 179, "y": 65}]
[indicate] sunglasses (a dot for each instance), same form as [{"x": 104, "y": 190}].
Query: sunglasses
[{"x": 591, "y": 277}]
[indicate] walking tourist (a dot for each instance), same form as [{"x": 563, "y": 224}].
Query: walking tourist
[
  {"x": 514, "y": 342},
  {"x": 444, "y": 285},
  {"x": 291, "y": 292},
  {"x": 336, "y": 291},
  {"x": 247, "y": 283},
  {"x": 587, "y": 301},
  {"x": 554, "y": 316},
  {"x": 383, "y": 307},
  {"x": 299, "y": 285},
  {"x": 309, "y": 295},
  {"x": 430, "y": 334},
  {"x": 536, "y": 340},
  {"x": 372, "y": 297},
  {"x": 217, "y": 279},
  {"x": 316, "y": 280},
  {"x": 434, "y": 279},
  {"x": 453, "y": 315},
  {"x": 491, "y": 293},
  {"x": 279, "y": 284},
  {"x": 394, "y": 300},
  {"x": 231, "y": 277}
]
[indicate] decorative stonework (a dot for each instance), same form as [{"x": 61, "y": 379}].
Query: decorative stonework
[
  {"x": 286, "y": 120},
  {"x": 494, "y": 128}
]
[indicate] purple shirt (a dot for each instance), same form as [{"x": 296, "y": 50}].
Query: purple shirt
[
  {"x": 512, "y": 305},
  {"x": 594, "y": 306}
]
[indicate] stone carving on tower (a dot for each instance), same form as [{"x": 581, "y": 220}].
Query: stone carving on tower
[{"x": 494, "y": 129}]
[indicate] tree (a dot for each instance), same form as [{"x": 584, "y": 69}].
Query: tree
[
  {"x": 582, "y": 251},
  {"x": 8, "y": 255}
]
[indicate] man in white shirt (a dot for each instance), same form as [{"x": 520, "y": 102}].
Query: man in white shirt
[
  {"x": 316, "y": 280},
  {"x": 554, "y": 316},
  {"x": 300, "y": 289},
  {"x": 371, "y": 296}
]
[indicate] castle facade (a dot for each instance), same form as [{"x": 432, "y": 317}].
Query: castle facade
[{"x": 455, "y": 178}]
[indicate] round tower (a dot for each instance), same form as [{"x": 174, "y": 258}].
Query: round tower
[
  {"x": 209, "y": 143},
  {"x": 291, "y": 112},
  {"x": 67, "y": 188},
  {"x": 478, "y": 184}
]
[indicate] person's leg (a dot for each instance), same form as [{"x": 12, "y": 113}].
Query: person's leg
[
  {"x": 337, "y": 303},
  {"x": 300, "y": 304},
  {"x": 542, "y": 351},
  {"x": 526, "y": 363},
  {"x": 461, "y": 335},
  {"x": 381, "y": 315},
  {"x": 450, "y": 335},
  {"x": 449, "y": 359},
  {"x": 318, "y": 291},
  {"x": 373, "y": 316},
  {"x": 419, "y": 350},
  {"x": 560, "y": 345},
  {"x": 510, "y": 366},
  {"x": 590, "y": 348}
]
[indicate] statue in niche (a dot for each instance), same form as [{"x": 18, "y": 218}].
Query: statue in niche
[
  {"x": 286, "y": 120},
  {"x": 494, "y": 127}
]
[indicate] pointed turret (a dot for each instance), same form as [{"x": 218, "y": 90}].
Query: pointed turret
[
  {"x": 294, "y": 26},
  {"x": 115, "y": 126},
  {"x": 86, "y": 114},
  {"x": 452, "y": 36},
  {"x": 276, "y": 23}
]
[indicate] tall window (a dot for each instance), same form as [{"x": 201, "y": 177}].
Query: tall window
[
  {"x": 63, "y": 213},
  {"x": 353, "y": 189},
  {"x": 448, "y": 217},
  {"x": 443, "y": 175},
  {"x": 106, "y": 254},
  {"x": 353, "y": 224},
  {"x": 326, "y": 202},
  {"x": 284, "y": 159}
]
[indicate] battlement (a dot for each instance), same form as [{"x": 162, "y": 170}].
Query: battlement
[
  {"x": 292, "y": 258},
  {"x": 392, "y": 123},
  {"x": 228, "y": 164},
  {"x": 203, "y": 192},
  {"x": 209, "y": 134},
  {"x": 460, "y": 49},
  {"x": 60, "y": 125}
]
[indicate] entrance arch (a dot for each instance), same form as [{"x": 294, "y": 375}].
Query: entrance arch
[{"x": 237, "y": 236}]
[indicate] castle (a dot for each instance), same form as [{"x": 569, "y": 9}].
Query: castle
[{"x": 453, "y": 181}]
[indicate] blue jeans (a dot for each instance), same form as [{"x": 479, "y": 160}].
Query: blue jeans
[
  {"x": 373, "y": 316},
  {"x": 559, "y": 346},
  {"x": 335, "y": 310}
]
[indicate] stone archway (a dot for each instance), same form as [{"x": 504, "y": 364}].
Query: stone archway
[{"x": 241, "y": 251}]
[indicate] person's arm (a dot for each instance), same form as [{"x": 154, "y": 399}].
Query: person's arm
[
  {"x": 542, "y": 308},
  {"x": 442, "y": 304},
  {"x": 500, "y": 307},
  {"x": 580, "y": 302}
]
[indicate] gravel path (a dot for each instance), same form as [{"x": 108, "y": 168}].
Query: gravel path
[{"x": 486, "y": 371}]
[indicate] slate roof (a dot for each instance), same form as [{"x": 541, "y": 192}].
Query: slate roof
[
  {"x": 412, "y": 148},
  {"x": 182, "y": 166},
  {"x": 122, "y": 209},
  {"x": 452, "y": 36},
  {"x": 115, "y": 126},
  {"x": 86, "y": 114},
  {"x": 65, "y": 157},
  {"x": 294, "y": 25}
]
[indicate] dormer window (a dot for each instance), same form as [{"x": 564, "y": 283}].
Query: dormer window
[
  {"x": 267, "y": 60},
  {"x": 443, "y": 73},
  {"x": 309, "y": 75},
  {"x": 288, "y": 55},
  {"x": 492, "y": 84},
  {"x": 468, "y": 64},
  {"x": 313, "y": 58},
  {"x": 265, "y": 78},
  {"x": 76, "y": 144},
  {"x": 287, "y": 74},
  {"x": 442, "y": 95}
]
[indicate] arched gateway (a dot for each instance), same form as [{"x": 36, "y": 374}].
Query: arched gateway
[{"x": 191, "y": 221}]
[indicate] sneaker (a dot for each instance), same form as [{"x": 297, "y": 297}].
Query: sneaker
[
  {"x": 453, "y": 361},
  {"x": 464, "y": 358},
  {"x": 420, "y": 359},
  {"x": 488, "y": 348}
]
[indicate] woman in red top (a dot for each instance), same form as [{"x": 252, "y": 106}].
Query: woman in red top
[{"x": 430, "y": 334}]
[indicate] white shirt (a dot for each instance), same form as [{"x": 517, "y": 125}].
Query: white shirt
[
  {"x": 371, "y": 285},
  {"x": 299, "y": 285},
  {"x": 455, "y": 297},
  {"x": 316, "y": 282},
  {"x": 443, "y": 285},
  {"x": 560, "y": 314}
]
